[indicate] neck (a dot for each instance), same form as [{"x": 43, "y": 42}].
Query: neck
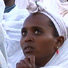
[
  {"x": 10, "y": 2},
  {"x": 42, "y": 62}
]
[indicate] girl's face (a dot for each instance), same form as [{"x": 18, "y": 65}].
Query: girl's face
[{"x": 37, "y": 38}]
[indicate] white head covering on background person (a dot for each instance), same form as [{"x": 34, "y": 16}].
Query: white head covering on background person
[{"x": 60, "y": 60}]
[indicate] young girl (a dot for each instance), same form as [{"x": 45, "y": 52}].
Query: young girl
[{"x": 44, "y": 40}]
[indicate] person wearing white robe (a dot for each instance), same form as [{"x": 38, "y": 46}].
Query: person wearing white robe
[{"x": 12, "y": 23}]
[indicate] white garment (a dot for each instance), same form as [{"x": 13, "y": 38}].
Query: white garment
[
  {"x": 23, "y": 3},
  {"x": 12, "y": 23},
  {"x": 3, "y": 55},
  {"x": 3, "y": 63},
  {"x": 2, "y": 42},
  {"x": 2, "y": 6},
  {"x": 59, "y": 7},
  {"x": 52, "y": 67}
]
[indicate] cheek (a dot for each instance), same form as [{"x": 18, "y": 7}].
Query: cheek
[{"x": 45, "y": 46}]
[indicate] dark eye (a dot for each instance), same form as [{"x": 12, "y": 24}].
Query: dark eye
[
  {"x": 24, "y": 33},
  {"x": 37, "y": 32}
]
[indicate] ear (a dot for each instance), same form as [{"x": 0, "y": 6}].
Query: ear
[{"x": 59, "y": 41}]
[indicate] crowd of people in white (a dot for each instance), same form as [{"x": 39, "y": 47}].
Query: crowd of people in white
[{"x": 11, "y": 23}]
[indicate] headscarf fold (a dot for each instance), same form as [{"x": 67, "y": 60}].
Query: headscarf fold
[{"x": 56, "y": 18}]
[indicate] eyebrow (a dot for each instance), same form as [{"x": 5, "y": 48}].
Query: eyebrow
[
  {"x": 33, "y": 27},
  {"x": 36, "y": 27}
]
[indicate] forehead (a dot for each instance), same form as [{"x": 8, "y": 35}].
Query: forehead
[{"x": 38, "y": 19}]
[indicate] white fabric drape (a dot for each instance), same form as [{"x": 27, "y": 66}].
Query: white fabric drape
[
  {"x": 3, "y": 62},
  {"x": 2, "y": 42},
  {"x": 23, "y": 3},
  {"x": 2, "y": 6},
  {"x": 12, "y": 23},
  {"x": 59, "y": 7},
  {"x": 3, "y": 54}
]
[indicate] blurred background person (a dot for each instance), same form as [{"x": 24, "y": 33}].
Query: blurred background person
[
  {"x": 9, "y": 5},
  {"x": 12, "y": 20}
]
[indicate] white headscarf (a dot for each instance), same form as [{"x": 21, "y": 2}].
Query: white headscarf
[
  {"x": 56, "y": 19},
  {"x": 58, "y": 60}
]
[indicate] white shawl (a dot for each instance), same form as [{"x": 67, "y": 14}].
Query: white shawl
[
  {"x": 3, "y": 55},
  {"x": 3, "y": 63},
  {"x": 12, "y": 23}
]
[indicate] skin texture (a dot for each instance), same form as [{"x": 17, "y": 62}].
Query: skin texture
[
  {"x": 9, "y": 2},
  {"x": 38, "y": 41}
]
